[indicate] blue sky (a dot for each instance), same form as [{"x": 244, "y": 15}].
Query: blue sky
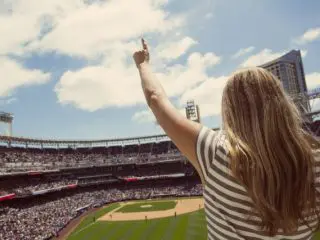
[{"x": 66, "y": 69}]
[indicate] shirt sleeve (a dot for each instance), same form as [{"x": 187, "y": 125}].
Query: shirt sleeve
[{"x": 205, "y": 149}]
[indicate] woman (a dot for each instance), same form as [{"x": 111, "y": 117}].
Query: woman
[{"x": 260, "y": 171}]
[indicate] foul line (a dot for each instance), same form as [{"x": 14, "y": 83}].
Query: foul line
[{"x": 82, "y": 229}]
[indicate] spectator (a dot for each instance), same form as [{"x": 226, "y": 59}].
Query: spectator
[{"x": 43, "y": 219}]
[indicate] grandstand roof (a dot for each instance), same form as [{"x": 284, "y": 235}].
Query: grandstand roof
[{"x": 86, "y": 143}]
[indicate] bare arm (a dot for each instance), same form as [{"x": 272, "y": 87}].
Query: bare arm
[{"x": 180, "y": 130}]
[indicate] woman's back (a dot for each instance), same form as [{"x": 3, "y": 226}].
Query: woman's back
[
  {"x": 260, "y": 174},
  {"x": 229, "y": 208}
]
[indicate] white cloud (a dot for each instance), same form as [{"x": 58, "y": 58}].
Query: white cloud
[
  {"x": 178, "y": 78},
  {"x": 7, "y": 101},
  {"x": 89, "y": 30},
  {"x": 118, "y": 84},
  {"x": 96, "y": 87},
  {"x": 14, "y": 75},
  {"x": 313, "y": 80},
  {"x": 144, "y": 116},
  {"x": 11, "y": 100},
  {"x": 207, "y": 95},
  {"x": 12, "y": 40},
  {"x": 175, "y": 49},
  {"x": 260, "y": 58},
  {"x": 310, "y": 35},
  {"x": 79, "y": 27},
  {"x": 242, "y": 52},
  {"x": 104, "y": 30},
  {"x": 315, "y": 104},
  {"x": 304, "y": 53},
  {"x": 22, "y": 22}
]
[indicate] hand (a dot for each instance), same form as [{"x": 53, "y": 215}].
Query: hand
[{"x": 142, "y": 56}]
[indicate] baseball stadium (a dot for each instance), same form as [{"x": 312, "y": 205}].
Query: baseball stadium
[
  {"x": 133, "y": 188},
  {"x": 138, "y": 188},
  {"x": 159, "y": 120}
]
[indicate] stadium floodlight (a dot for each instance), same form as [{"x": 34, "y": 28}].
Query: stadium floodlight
[
  {"x": 193, "y": 111},
  {"x": 7, "y": 118}
]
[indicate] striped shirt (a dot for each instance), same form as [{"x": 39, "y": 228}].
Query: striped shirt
[{"x": 228, "y": 206}]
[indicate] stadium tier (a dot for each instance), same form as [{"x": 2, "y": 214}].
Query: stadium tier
[
  {"x": 22, "y": 155},
  {"x": 44, "y": 215},
  {"x": 49, "y": 186},
  {"x": 25, "y": 154},
  {"x": 45, "y": 185}
]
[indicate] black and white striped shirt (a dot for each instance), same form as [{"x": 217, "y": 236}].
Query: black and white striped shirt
[{"x": 227, "y": 203}]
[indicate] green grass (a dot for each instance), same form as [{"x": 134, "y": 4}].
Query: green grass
[
  {"x": 191, "y": 226},
  {"x": 155, "y": 206},
  {"x": 89, "y": 219},
  {"x": 316, "y": 236}
]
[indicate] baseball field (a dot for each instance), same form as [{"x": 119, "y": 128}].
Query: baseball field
[
  {"x": 143, "y": 220},
  {"x": 151, "y": 219}
]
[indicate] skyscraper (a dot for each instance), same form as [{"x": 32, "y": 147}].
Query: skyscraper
[{"x": 289, "y": 69}]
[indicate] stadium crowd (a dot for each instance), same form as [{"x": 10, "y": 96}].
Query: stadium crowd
[
  {"x": 29, "y": 186},
  {"x": 44, "y": 219},
  {"x": 19, "y": 160}
]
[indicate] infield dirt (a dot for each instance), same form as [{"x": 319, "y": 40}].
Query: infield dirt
[{"x": 183, "y": 206}]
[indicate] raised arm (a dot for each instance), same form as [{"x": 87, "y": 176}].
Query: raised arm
[{"x": 180, "y": 130}]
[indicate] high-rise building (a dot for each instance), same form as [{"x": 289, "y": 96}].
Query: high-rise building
[{"x": 289, "y": 69}]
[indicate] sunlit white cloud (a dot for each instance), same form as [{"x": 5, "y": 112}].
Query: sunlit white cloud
[
  {"x": 207, "y": 95},
  {"x": 100, "y": 30},
  {"x": 310, "y": 35},
  {"x": 109, "y": 31},
  {"x": 144, "y": 116},
  {"x": 261, "y": 57},
  {"x": 304, "y": 53},
  {"x": 14, "y": 75},
  {"x": 175, "y": 49},
  {"x": 23, "y": 22},
  {"x": 96, "y": 26},
  {"x": 242, "y": 51},
  {"x": 313, "y": 80},
  {"x": 118, "y": 84}
]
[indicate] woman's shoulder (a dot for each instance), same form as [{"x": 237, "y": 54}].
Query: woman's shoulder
[
  {"x": 222, "y": 141},
  {"x": 214, "y": 141}
]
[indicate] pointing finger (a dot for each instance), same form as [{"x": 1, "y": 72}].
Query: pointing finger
[{"x": 144, "y": 45}]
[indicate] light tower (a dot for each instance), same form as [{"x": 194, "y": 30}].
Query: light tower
[
  {"x": 193, "y": 111},
  {"x": 7, "y": 118}
]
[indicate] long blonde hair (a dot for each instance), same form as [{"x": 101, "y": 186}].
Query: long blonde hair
[{"x": 271, "y": 154}]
